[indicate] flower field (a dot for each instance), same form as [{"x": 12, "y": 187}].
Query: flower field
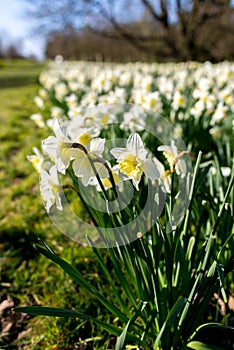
[{"x": 135, "y": 166}]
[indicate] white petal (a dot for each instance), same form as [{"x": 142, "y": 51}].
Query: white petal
[
  {"x": 81, "y": 166},
  {"x": 159, "y": 166},
  {"x": 97, "y": 145},
  {"x": 101, "y": 170},
  {"x": 180, "y": 167},
  {"x": 54, "y": 174},
  {"x": 165, "y": 149},
  {"x": 136, "y": 184},
  {"x": 134, "y": 144},
  {"x": 226, "y": 171},
  {"x": 58, "y": 129},
  {"x": 37, "y": 152},
  {"x": 58, "y": 202},
  {"x": 142, "y": 153},
  {"x": 44, "y": 176},
  {"x": 118, "y": 152},
  {"x": 48, "y": 205},
  {"x": 174, "y": 148},
  {"x": 50, "y": 146},
  {"x": 150, "y": 169}
]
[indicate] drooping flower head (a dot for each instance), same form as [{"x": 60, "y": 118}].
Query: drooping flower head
[
  {"x": 49, "y": 187},
  {"x": 174, "y": 158},
  {"x": 84, "y": 158},
  {"x": 57, "y": 147}
]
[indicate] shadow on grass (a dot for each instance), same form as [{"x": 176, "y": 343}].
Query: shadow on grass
[
  {"x": 19, "y": 73},
  {"x": 18, "y": 81}
]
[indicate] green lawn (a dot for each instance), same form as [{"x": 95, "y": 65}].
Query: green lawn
[{"x": 26, "y": 277}]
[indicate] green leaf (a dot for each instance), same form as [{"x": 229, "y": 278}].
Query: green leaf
[
  {"x": 221, "y": 272},
  {"x": 214, "y": 326},
  {"x": 170, "y": 317},
  {"x": 51, "y": 311},
  {"x": 197, "y": 345},
  {"x": 216, "y": 334},
  {"x": 121, "y": 339},
  {"x": 77, "y": 277},
  {"x": 57, "y": 312}
]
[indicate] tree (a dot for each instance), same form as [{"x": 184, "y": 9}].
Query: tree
[
  {"x": 84, "y": 45},
  {"x": 9, "y": 48},
  {"x": 176, "y": 29}
]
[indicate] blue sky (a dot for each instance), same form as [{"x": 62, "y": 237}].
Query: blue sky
[{"x": 15, "y": 27}]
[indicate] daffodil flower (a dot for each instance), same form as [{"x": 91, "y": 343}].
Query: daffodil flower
[
  {"x": 58, "y": 147},
  {"x": 38, "y": 119},
  {"x": 132, "y": 161},
  {"x": 86, "y": 164},
  {"x": 164, "y": 179},
  {"x": 78, "y": 132},
  {"x": 174, "y": 158},
  {"x": 134, "y": 120},
  {"x": 49, "y": 188},
  {"x": 36, "y": 159}
]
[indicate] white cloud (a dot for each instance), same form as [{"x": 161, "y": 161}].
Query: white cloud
[{"x": 14, "y": 27}]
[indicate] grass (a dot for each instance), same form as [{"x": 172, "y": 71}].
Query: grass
[{"x": 26, "y": 277}]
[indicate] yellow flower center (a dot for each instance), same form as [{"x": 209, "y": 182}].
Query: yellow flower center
[
  {"x": 84, "y": 139},
  {"x": 152, "y": 102},
  {"x": 131, "y": 166},
  {"x": 104, "y": 119},
  {"x": 181, "y": 101},
  {"x": 167, "y": 173},
  {"x": 36, "y": 163},
  {"x": 55, "y": 189},
  {"x": 107, "y": 183},
  {"x": 170, "y": 158}
]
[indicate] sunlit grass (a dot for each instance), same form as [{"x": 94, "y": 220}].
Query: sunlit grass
[{"x": 25, "y": 277}]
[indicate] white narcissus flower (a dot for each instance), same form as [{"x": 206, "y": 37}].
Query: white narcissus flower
[
  {"x": 39, "y": 102},
  {"x": 37, "y": 159},
  {"x": 174, "y": 158},
  {"x": 71, "y": 100},
  {"x": 49, "y": 188},
  {"x": 81, "y": 134},
  {"x": 57, "y": 147},
  {"x": 219, "y": 114},
  {"x": 82, "y": 162},
  {"x": 225, "y": 171},
  {"x": 38, "y": 120},
  {"x": 134, "y": 120},
  {"x": 164, "y": 179},
  {"x": 56, "y": 112},
  {"x": 132, "y": 161},
  {"x": 179, "y": 100}
]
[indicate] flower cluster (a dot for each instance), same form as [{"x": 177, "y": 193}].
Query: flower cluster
[
  {"x": 116, "y": 148},
  {"x": 62, "y": 152},
  {"x": 178, "y": 91},
  {"x": 81, "y": 104}
]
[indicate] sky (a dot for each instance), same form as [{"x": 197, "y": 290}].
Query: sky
[{"x": 14, "y": 27}]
